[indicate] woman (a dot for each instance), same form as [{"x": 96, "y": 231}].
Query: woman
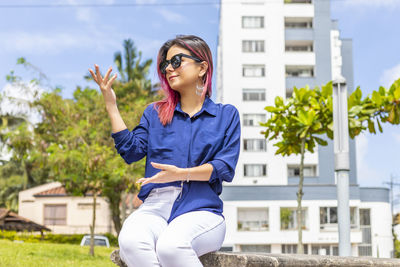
[{"x": 191, "y": 145}]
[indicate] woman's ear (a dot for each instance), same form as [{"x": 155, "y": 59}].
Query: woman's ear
[{"x": 204, "y": 68}]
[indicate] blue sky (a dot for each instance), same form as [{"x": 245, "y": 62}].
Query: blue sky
[{"x": 64, "y": 42}]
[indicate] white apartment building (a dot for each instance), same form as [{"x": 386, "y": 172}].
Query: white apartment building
[{"x": 266, "y": 47}]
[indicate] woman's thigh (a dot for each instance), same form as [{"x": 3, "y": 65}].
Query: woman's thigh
[
  {"x": 204, "y": 231},
  {"x": 143, "y": 226}
]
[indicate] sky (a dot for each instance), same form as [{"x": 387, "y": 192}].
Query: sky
[{"x": 64, "y": 41}]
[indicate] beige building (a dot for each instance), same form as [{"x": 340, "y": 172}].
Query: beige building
[{"x": 50, "y": 205}]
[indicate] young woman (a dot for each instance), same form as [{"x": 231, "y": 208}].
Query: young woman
[{"x": 191, "y": 145}]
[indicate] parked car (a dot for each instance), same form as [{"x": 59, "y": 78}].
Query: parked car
[{"x": 99, "y": 240}]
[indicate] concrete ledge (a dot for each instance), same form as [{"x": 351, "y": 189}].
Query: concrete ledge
[
  {"x": 239, "y": 259},
  {"x": 226, "y": 259}
]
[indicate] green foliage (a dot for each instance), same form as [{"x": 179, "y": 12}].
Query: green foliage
[
  {"x": 285, "y": 215},
  {"x": 73, "y": 144},
  {"x": 51, "y": 238},
  {"x": 302, "y": 121},
  {"x": 308, "y": 114},
  {"x": 303, "y": 116}
]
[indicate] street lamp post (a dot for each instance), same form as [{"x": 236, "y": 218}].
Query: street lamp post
[{"x": 342, "y": 166}]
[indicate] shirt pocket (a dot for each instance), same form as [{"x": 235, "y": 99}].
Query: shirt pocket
[{"x": 162, "y": 143}]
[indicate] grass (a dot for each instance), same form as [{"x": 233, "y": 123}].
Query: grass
[{"x": 48, "y": 255}]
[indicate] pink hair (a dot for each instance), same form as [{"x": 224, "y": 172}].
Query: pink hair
[{"x": 198, "y": 48}]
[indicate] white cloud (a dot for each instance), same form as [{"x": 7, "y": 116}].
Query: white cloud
[
  {"x": 15, "y": 100},
  {"x": 171, "y": 16},
  {"x": 87, "y": 14},
  {"x": 53, "y": 43},
  {"x": 390, "y": 75}
]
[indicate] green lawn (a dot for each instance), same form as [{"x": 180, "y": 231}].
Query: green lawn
[{"x": 47, "y": 255}]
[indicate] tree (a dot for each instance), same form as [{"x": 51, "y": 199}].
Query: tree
[
  {"x": 73, "y": 133},
  {"x": 18, "y": 118},
  {"x": 300, "y": 123}
]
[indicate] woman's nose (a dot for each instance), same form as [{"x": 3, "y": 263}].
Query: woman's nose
[{"x": 169, "y": 68}]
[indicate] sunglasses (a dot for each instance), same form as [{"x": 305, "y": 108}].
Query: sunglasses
[{"x": 175, "y": 61}]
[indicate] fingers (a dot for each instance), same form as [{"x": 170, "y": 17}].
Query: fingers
[
  {"x": 93, "y": 75},
  {"x": 98, "y": 76},
  {"x": 159, "y": 165},
  {"x": 107, "y": 74},
  {"x": 146, "y": 180},
  {"x": 111, "y": 80},
  {"x": 152, "y": 179}
]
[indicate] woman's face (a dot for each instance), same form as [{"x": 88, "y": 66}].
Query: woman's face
[{"x": 187, "y": 74}]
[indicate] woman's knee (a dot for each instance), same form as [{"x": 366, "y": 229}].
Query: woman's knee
[
  {"x": 168, "y": 248},
  {"x": 130, "y": 239}
]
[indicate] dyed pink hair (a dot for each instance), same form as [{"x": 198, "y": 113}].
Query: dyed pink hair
[{"x": 197, "y": 48}]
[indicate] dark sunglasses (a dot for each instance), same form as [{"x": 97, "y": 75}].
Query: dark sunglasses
[{"x": 175, "y": 61}]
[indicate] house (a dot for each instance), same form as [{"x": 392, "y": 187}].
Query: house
[{"x": 51, "y": 206}]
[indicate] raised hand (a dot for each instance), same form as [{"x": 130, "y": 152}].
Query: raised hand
[{"x": 105, "y": 85}]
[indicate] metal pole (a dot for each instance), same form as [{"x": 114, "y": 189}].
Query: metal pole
[{"x": 342, "y": 166}]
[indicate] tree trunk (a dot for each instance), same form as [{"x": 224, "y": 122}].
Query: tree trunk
[
  {"x": 115, "y": 213},
  {"x": 130, "y": 203},
  {"x": 300, "y": 194},
  {"x": 92, "y": 227},
  {"x": 123, "y": 206}
]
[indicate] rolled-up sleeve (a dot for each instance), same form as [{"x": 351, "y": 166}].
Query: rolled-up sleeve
[
  {"x": 132, "y": 145},
  {"x": 225, "y": 160}
]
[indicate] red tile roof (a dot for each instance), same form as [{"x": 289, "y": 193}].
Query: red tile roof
[{"x": 57, "y": 191}]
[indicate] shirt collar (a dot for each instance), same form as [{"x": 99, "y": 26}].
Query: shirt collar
[{"x": 208, "y": 106}]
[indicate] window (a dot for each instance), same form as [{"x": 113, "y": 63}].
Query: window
[
  {"x": 289, "y": 218},
  {"x": 253, "y": 22},
  {"x": 299, "y": 46},
  {"x": 253, "y": 119},
  {"x": 256, "y": 248},
  {"x": 253, "y": 70},
  {"x": 252, "y": 170},
  {"x": 328, "y": 218},
  {"x": 299, "y": 71},
  {"x": 365, "y": 248},
  {"x": 292, "y": 249},
  {"x": 255, "y": 145},
  {"x": 308, "y": 171},
  {"x": 252, "y": 46},
  {"x": 365, "y": 219},
  {"x": 298, "y": 23},
  {"x": 253, "y": 219},
  {"x": 253, "y": 94},
  {"x": 55, "y": 214},
  {"x": 325, "y": 249}
]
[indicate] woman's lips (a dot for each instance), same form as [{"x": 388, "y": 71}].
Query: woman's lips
[{"x": 173, "y": 77}]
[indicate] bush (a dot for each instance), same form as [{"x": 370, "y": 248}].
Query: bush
[{"x": 51, "y": 238}]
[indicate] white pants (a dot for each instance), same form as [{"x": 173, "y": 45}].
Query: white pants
[{"x": 146, "y": 239}]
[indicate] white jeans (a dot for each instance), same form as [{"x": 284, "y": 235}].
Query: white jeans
[{"x": 146, "y": 239}]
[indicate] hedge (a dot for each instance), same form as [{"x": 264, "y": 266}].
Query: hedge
[{"x": 51, "y": 238}]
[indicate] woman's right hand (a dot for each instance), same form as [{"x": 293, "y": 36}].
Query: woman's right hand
[{"x": 105, "y": 85}]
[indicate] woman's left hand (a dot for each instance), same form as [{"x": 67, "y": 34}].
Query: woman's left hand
[{"x": 169, "y": 173}]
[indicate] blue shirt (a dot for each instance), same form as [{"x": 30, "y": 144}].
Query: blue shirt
[{"x": 212, "y": 136}]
